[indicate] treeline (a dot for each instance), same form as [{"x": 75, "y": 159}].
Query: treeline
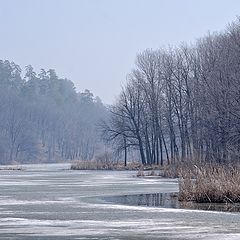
[
  {"x": 44, "y": 119},
  {"x": 182, "y": 103}
]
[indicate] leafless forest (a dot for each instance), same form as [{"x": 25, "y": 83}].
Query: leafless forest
[
  {"x": 179, "y": 103},
  {"x": 182, "y": 103}
]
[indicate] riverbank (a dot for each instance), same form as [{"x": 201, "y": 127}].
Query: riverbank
[
  {"x": 108, "y": 165},
  {"x": 45, "y": 202},
  {"x": 202, "y": 183},
  {"x": 210, "y": 184}
]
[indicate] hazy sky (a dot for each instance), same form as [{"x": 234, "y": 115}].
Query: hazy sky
[{"x": 94, "y": 42}]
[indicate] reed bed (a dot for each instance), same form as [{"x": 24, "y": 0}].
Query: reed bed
[
  {"x": 210, "y": 183},
  {"x": 100, "y": 165}
]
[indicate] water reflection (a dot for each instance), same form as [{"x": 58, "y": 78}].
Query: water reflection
[
  {"x": 151, "y": 200},
  {"x": 169, "y": 200}
]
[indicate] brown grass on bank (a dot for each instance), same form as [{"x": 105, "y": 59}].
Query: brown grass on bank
[
  {"x": 211, "y": 183},
  {"x": 180, "y": 168},
  {"x": 167, "y": 171},
  {"x": 100, "y": 165}
]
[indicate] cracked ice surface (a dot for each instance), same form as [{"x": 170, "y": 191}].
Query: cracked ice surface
[{"x": 48, "y": 202}]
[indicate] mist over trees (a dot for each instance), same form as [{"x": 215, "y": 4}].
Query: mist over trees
[
  {"x": 44, "y": 119},
  {"x": 178, "y": 104},
  {"x": 182, "y": 103}
]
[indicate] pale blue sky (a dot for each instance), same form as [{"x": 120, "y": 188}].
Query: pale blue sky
[{"x": 94, "y": 42}]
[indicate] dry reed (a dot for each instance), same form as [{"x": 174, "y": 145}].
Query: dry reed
[
  {"x": 211, "y": 183},
  {"x": 100, "y": 165}
]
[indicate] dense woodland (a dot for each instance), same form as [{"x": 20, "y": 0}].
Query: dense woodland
[
  {"x": 44, "y": 119},
  {"x": 182, "y": 103},
  {"x": 178, "y": 104}
]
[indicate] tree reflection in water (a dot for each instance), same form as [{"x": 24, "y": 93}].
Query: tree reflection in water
[{"x": 169, "y": 200}]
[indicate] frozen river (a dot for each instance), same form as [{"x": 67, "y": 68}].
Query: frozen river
[{"x": 51, "y": 202}]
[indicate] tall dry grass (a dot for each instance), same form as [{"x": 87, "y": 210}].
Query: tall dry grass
[
  {"x": 177, "y": 170},
  {"x": 103, "y": 165},
  {"x": 210, "y": 183}
]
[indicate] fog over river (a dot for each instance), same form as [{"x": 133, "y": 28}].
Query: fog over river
[{"x": 52, "y": 202}]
